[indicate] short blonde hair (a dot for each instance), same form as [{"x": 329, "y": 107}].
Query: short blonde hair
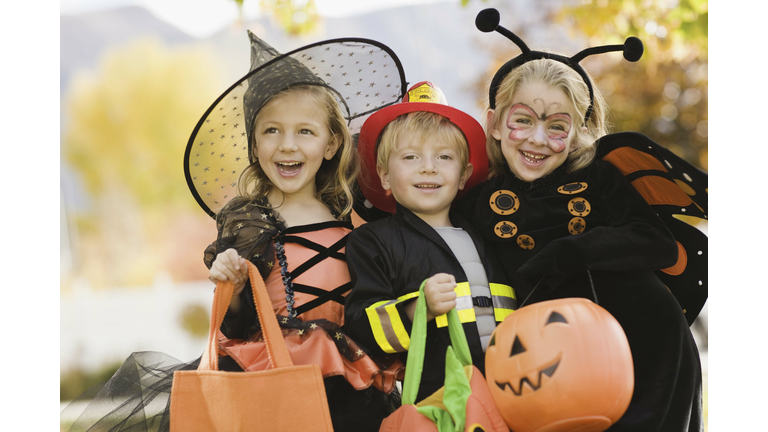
[
  {"x": 558, "y": 76},
  {"x": 335, "y": 178},
  {"x": 422, "y": 125}
]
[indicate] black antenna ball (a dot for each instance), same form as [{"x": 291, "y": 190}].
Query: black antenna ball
[
  {"x": 487, "y": 20},
  {"x": 633, "y": 49}
]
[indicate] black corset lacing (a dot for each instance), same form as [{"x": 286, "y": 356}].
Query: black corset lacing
[{"x": 288, "y": 277}]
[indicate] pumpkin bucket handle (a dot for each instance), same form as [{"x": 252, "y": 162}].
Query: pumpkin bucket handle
[{"x": 591, "y": 284}]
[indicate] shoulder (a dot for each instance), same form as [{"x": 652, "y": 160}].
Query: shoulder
[
  {"x": 466, "y": 204},
  {"x": 376, "y": 228}
]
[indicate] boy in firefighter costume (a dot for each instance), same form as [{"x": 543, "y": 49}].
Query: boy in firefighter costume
[{"x": 424, "y": 153}]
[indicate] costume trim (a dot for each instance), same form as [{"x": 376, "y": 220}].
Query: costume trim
[
  {"x": 388, "y": 328},
  {"x": 502, "y": 297}
]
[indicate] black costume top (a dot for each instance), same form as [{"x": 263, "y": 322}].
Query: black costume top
[
  {"x": 554, "y": 229},
  {"x": 388, "y": 261}
]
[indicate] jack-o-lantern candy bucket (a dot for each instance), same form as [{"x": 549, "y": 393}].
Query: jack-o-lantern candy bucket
[{"x": 560, "y": 365}]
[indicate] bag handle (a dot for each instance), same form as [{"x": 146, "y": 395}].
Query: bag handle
[
  {"x": 415, "y": 364},
  {"x": 591, "y": 284},
  {"x": 277, "y": 351}
]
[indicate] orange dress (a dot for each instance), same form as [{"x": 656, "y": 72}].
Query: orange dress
[{"x": 315, "y": 260}]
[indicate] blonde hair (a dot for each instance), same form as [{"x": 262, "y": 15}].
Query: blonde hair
[
  {"x": 421, "y": 125},
  {"x": 335, "y": 178},
  {"x": 558, "y": 76}
]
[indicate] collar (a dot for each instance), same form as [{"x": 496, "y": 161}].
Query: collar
[{"x": 555, "y": 176}]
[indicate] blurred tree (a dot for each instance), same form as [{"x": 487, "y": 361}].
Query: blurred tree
[
  {"x": 129, "y": 124},
  {"x": 664, "y": 95},
  {"x": 296, "y": 17}
]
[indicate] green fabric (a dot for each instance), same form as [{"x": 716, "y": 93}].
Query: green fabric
[{"x": 456, "y": 389}]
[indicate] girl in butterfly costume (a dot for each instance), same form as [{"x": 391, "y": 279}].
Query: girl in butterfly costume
[
  {"x": 273, "y": 161},
  {"x": 567, "y": 206}
]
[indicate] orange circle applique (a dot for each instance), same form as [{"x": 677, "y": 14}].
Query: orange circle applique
[
  {"x": 525, "y": 242},
  {"x": 572, "y": 188},
  {"x": 579, "y": 207},
  {"x": 505, "y": 229},
  {"x": 504, "y": 202},
  {"x": 577, "y": 225}
]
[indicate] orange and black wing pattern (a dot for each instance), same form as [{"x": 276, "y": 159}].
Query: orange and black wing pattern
[{"x": 678, "y": 192}]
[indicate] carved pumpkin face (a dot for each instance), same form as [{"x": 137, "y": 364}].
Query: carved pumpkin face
[{"x": 560, "y": 365}]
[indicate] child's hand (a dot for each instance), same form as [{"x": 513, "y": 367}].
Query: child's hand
[
  {"x": 439, "y": 294},
  {"x": 232, "y": 267}
]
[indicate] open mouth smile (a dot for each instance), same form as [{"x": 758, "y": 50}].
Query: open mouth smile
[
  {"x": 548, "y": 371},
  {"x": 533, "y": 158},
  {"x": 427, "y": 186},
  {"x": 289, "y": 168}
]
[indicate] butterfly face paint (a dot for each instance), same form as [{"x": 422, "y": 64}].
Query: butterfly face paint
[
  {"x": 524, "y": 122},
  {"x": 535, "y": 134}
]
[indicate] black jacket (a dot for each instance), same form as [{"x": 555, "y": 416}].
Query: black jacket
[
  {"x": 595, "y": 220},
  {"x": 390, "y": 258}
]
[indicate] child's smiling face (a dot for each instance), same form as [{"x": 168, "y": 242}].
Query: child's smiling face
[
  {"x": 292, "y": 139},
  {"x": 425, "y": 177},
  {"x": 537, "y": 131}
]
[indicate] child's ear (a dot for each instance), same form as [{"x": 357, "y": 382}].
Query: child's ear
[
  {"x": 384, "y": 177},
  {"x": 333, "y": 147},
  {"x": 582, "y": 130},
  {"x": 491, "y": 125},
  {"x": 465, "y": 176}
]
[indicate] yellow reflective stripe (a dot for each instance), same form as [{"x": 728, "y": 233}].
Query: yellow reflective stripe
[
  {"x": 502, "y": 290},
  {"x": 397, "y": 326},
  {"x": 467, "y": 315},
  {"x": 388, "y": 329},
  {"x": 441, "y": 321},
  {"x": 462, "y": 289},
  {"x": 378, "y": 329},
  {"x": 408, "y": 296},
  {"x": 499, "y": 314}
]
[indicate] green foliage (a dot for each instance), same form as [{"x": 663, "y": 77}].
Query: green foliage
[
  {"x": 665, "y": 94},
  {"x": 195, "y": 320},
  {"x": 130, "y": 121},
  {"x": 76, "y": 381},
  {"x": 296, "y": 17}
]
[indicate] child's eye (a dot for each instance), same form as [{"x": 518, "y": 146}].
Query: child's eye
[
  {"x": 445, "y": 157},
  {"x": 558, "y": 127},
  {"x": 409, "y": 157},
  {"x": 523, "y": 121},
  {"x": 270, "y": 130},
  {"x": 306, "y": 132}
]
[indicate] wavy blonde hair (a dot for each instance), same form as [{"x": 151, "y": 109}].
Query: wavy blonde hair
[
  {"x": 556, "y": 75},
  {"x": 335, "y": 178},
  {"x": 421, "y": 125}
]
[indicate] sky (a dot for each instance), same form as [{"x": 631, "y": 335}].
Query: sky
[{"x": 202, "y": 18}]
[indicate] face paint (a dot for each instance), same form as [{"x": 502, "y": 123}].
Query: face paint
[{"x": 525, "y": 126}]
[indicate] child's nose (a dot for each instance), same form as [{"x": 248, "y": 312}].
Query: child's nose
[
  {"x": 428, "y": 166},
  {"x": 539, "y": 136},
  {"x": 287, "y": 143}
]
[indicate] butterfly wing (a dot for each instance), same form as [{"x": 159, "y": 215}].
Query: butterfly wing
[{"x": 678, "y": 192}]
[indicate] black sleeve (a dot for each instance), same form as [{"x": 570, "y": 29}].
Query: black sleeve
[
  {"x": 637, "y": 239},
  {"x": 373, "y": 273},
  {"x": 244, "y": 323}
]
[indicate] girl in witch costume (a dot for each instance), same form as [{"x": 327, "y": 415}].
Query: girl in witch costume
[
  {"x": 291, "y": 218},
  {"x": 567, "y": 206},
  {"x": 273, "y": 160}
]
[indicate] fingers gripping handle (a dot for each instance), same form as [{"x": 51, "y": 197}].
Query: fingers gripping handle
[{"x": 273, "y": 336}]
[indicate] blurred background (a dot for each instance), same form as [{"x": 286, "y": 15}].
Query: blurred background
[{"x": 136, "y": 75}]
